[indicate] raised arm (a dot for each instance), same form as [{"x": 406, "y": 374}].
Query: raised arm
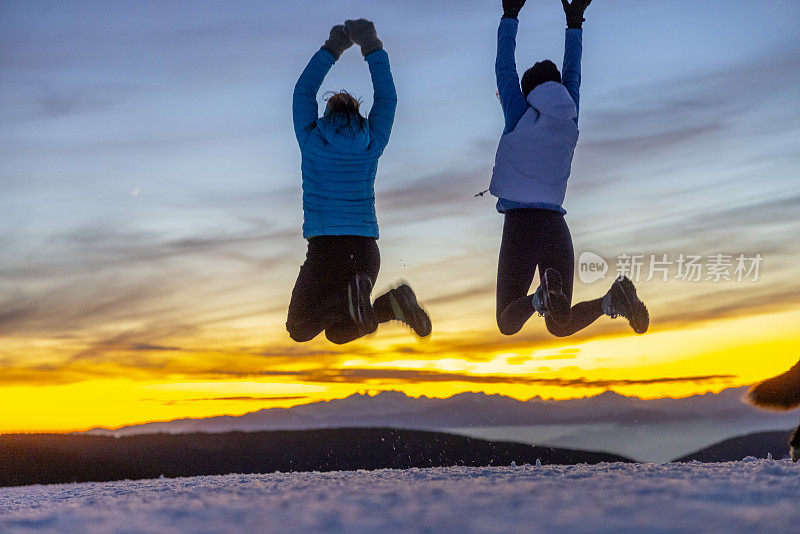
[
  {"x": 573, "y": 48},
  {"x": 381, "y": 116},
  {"x": 304, "y": 100},
  {"x": 511, "y": 98},
  {"x": 571, "y": 70}
]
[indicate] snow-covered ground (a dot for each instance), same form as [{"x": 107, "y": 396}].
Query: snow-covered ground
[{"x": 747, "y": 496}]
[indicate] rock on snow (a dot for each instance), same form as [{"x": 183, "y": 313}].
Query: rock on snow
[{"x": 747, "y": 496}]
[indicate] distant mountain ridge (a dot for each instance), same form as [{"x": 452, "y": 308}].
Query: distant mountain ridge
[{"x": 395, "y": 409}]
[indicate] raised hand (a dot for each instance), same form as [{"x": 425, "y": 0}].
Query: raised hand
[
  {"x": 338, "y": 41},
  {"x": 511, "y": 8},
  {"x": 574, "y": 12},
  {"x": 363, "y": 33}
]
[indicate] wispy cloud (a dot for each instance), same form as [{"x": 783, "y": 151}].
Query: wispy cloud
[
  {"x": 90, "y": 277},
  {"x": 416, "y": 377},
  {"x": 232, "y": 399}
]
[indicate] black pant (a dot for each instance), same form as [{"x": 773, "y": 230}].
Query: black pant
[
  {"x": 536, "y": 238},
  {"x": 319, "y": 298}
]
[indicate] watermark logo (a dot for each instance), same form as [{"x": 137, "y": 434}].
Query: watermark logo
[
  {"x": 591, "y": 267},
  {"x": 665, "y": 267}
]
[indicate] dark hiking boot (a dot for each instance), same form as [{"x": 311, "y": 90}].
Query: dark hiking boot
[
  {"x": 621, "y": 301},
  {"x": 550, "y": 300},
  {"x": 406, "y": 309},
  {"x": 359, "y": 304}
]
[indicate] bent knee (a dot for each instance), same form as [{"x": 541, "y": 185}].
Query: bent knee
[
  {"x": 339, "y": 338},
  {"x": 558, "y": 331},
  {"x": 298, "y": 334},
  {"x": 506, "y": 329}
]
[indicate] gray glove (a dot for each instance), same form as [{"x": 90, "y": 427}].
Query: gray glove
[
  {"x": 362, "y": 32},
  {"x": 338, "y": 41}
]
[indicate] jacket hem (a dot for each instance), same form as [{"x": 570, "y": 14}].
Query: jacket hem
[
  {"x": 341, "y": 230},
  {"x": 504, "y": 205}
]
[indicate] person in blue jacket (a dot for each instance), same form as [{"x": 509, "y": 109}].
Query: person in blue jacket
[
  {"x": 340, "y": 153},
  {"x": 533, "y": 163}
]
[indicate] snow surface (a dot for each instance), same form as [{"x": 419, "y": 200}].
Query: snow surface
[{"x": 747, "y": 496}]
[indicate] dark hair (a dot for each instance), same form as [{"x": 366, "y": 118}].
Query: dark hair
[
  {"x": 341, "y": 103},
  {"x": 542, "y": 71}
]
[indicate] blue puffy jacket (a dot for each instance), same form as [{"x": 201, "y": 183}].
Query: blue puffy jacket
[{"x": 340, "y": 160}]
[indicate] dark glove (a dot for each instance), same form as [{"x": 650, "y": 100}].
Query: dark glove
[
  {"x": 338, "y": 41},
  {"x": 511, "y": 8},
  {"x": 362, "y": 32},
  {"x": 574, "y": 12}
]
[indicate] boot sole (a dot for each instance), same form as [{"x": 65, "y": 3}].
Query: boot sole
[
  {"x": 416, "y": 317},
  {"x": 639, "y": 316}
]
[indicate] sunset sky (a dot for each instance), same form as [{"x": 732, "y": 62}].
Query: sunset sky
[{"x": 150, "y": 202}]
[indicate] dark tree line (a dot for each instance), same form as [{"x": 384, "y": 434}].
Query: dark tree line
[{"x": 59, "y": 458}]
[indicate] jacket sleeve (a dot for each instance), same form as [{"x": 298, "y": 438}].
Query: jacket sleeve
[
  {"x": 513, "y": 101},
  {"x": 381, "y": 116},
  {"x": 304, "y": 101},
  {"x": 571, "y": 70}
]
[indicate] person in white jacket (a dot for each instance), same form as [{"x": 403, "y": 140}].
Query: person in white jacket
[{"x": 532, "y": 166}]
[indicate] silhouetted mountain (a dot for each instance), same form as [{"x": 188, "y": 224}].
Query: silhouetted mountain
[
  {"x": 59, "y": 458},
  {"x": 758, "y": 445},
  {"x": 395, "y": 409}
]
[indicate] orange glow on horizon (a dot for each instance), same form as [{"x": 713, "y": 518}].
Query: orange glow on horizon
[{"x": 747, "y": 348}]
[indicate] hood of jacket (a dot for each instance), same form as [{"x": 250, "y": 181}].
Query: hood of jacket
[
  {"x": 349, "y": 137},
  {"x": 552, "y": 99}
]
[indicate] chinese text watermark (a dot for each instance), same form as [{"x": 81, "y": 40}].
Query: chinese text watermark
[{"x": 665, "y": 267}]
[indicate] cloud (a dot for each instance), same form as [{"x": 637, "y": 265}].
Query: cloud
[
  {"x": 148, "y": 347},
  {"x": 95, "y": 276},
  {"x": 64, "y": 308},
  {"x": 231, "y": 399},
  {"x": 94, "y": 248},
  {"x": 458, "y": 296},
  {"x": 561, "y": 356},
  {"x": 413, "y": 376},
  {"x": 666, "y": 121},
  {"x": 434, "y": 196},
  {"x": 48, "y": 102}
]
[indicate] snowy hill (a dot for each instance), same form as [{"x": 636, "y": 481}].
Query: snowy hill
[
  {"x": 395, "y": 409},
  {"x": 54, "y": 458},
  {"x": 750, "y": 496},
  {"x": 758, "y": 444}
]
